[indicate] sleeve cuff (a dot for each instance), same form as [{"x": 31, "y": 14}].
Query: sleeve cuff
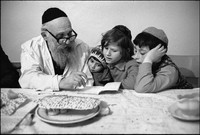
[{"x": 56, "y": 82}]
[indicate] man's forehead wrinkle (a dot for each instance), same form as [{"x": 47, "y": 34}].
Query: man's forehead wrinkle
[{"x": 59, "y": 25}]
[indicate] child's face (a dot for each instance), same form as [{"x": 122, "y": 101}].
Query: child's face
[
  {"x": 94, "y": 65},
  {"x": 140, "y": 53},
  {"x": 112, "y": 53}
]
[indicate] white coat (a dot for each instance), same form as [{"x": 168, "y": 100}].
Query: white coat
[{"x": 37, "y": 70}]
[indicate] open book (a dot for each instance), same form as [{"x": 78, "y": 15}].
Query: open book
[{"x": 111, "y": 86}]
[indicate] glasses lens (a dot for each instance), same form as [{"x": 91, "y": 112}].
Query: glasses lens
[
  {"x": 72, "y": 38},
  {"x": 67, "y": 40},
  {"x": 62, "y": 41}
]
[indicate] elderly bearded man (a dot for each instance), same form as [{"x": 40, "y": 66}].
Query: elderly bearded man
[{"x": 56, "y": 59}]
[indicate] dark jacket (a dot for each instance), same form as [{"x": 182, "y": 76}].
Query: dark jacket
[{"x": 9, "y": 75}]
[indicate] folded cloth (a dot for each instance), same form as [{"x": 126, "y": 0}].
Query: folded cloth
[
  {"x": 11, "y": 101},
  {"x": 9, "y": 122},
  {"x": 189, "y": 96},
  {"x": 14, "y": 107}
]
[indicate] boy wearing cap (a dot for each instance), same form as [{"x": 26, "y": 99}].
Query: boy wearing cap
[
  {"x": 98, "y": 68},
  {"x": 156, "y": 72}
]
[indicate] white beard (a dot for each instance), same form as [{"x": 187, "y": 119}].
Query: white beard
[{"x": 64, "y": 55}]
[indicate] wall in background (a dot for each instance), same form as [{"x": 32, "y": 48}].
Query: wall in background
[{"x": 21, "y": 20}]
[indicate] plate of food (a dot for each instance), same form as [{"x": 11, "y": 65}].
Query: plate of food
[
  {"x": 186, "y": 109},
  {"x": 64, "y": 109}
]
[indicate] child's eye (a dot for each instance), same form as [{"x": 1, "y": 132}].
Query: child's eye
[
  {"x": 99, "y": 65},
  {"x": 114, "y": 51},
  {"x": 92, "y": 61},
  {"x": 142, "y": 53}
]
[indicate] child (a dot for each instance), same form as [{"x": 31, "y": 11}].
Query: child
[
  {"x": 157, "y": 72},
  {"x": 117, "y": 50},
  {"x": 98, "y": 68}
]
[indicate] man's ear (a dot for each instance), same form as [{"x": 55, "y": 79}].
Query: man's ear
[{"x": 44, "y": 35}]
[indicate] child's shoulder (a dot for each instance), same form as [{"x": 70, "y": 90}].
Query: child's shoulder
[{"x": 132, "y": 62}]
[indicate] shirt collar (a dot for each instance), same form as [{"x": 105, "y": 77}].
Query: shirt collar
[{"x": 119, "y": 66}]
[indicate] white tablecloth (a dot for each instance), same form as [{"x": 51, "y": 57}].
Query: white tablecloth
[{"x": 130, "y": 112}]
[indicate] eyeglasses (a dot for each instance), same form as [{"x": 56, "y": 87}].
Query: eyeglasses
[{"x": 65, "y": 40}]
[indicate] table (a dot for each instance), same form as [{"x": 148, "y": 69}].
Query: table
[{"x": 130, "y": 112}]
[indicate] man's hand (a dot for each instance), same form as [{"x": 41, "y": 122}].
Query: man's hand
[
  {"x": 155, "y": 54},
  {"x": 76, "y": 79}
]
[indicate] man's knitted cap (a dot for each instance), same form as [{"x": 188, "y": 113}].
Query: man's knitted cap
[
  {"x": 97, "y": 53},
  {"x": 51, "y": 14},
  {"x": 160, "y": 34}
]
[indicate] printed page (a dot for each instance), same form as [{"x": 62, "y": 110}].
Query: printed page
[{"x": 112, "y": 86}]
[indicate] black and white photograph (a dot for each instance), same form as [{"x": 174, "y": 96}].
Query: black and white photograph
[{"x": 100, "y": 67}]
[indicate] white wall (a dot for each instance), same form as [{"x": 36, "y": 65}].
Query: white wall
[{"x": 21, "y": 20}]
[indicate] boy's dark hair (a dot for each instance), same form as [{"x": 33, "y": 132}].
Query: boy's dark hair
[
  {"x": 148, "y": 40},
  {"x": 122, "y": 36},
  {"x": 151, "y": 37}
]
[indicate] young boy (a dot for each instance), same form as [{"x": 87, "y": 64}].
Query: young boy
[
  {"x": 98, "y": 68},
  {"x": 156, "y": 72}
]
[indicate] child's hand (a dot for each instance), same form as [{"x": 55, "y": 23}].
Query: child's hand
[{"x": 155, "y": 54}]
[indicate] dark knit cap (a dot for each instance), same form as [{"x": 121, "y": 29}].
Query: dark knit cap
[{"x": 51, "y": 14}]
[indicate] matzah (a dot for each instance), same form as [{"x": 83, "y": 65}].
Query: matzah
[{"x": 68, "y": 102}]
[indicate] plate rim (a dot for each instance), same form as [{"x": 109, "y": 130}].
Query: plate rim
[
  {"x": 89, "y": 116},
  {"x": 173, "y": 110}
]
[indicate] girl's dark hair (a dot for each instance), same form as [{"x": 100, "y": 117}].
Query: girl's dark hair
[
  {"x": 122, "y": 36},
  {"x": 148, "y": 40},
  {"x": 124, "y": 30}
]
